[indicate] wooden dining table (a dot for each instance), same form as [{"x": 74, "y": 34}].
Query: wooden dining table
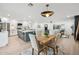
[{"x": 43, "y": 40}]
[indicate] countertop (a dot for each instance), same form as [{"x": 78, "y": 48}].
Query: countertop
[{"x": 26, "y": 30}]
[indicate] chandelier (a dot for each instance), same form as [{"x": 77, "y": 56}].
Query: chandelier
[{"x": 47, "y": 13}]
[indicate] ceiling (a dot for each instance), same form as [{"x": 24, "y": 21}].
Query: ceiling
[{"x": 23, "y": 12}]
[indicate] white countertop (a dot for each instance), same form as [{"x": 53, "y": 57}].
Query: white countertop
[{"x": 26, "y": 30}]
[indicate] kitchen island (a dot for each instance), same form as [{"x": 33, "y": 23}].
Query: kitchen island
[{"x": 24, "y": 35}]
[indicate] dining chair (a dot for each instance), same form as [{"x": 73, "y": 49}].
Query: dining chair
[
  {"x": 39, "y": 32},
  {"x": 35, "y": 44},
  {"x": 54, "y": 45}
]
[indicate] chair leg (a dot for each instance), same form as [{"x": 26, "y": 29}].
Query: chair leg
[
  {"x": 46, "y": 50},
  {"x": 38, "y": 53},
  {"x": 32, "y": 51},
  {"x": 56, "y": 49}
]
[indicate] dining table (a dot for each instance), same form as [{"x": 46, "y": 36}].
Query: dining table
[{"x": 45, "y": 40}]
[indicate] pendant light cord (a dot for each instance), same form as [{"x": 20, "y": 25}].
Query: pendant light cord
[{"x": 47, "y": 5}]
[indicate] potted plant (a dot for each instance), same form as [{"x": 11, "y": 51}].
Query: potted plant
[{"x": 46, "y": 34}]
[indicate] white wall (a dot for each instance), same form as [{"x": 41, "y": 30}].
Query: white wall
[
  {"x": 67, "y": 25},
  {"x": 13, "y": 27}
]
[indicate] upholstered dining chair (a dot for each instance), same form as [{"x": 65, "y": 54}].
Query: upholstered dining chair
[
  {"x": 60, "y": 48},
  {"x": 35, "y": 45}
]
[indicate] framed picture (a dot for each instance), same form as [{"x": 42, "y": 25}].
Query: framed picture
[{"x": 56, "y": 26}]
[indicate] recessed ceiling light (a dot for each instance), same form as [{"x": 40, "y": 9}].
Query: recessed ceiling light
[
  {"x": 68, "y": 16},
  {"x": 8, "y": 15},
  {"x": 29, "y": 16}
]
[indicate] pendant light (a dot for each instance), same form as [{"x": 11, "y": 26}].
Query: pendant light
[{"x": 47, "y": 13}]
